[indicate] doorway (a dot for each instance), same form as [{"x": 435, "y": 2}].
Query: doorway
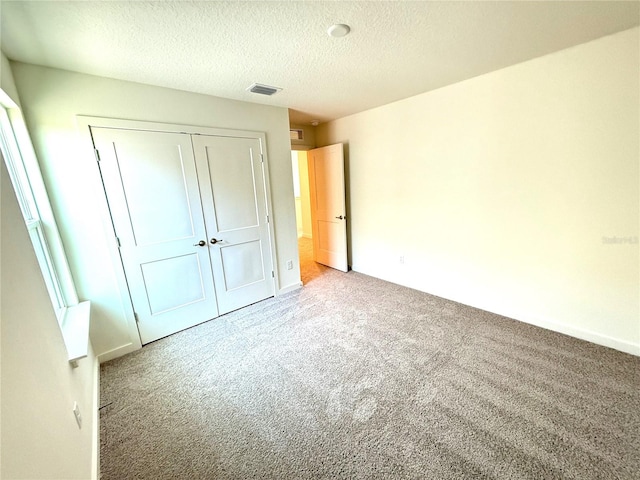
[
  {"x": 301, "y": 193},
  {"x": 320, "y": 201},
  {"x": 309, "y": 269}
]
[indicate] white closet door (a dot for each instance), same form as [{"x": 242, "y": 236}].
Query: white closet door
[
  {"x": 153, "y": 194},
  {"x": 232, "y": 185}
]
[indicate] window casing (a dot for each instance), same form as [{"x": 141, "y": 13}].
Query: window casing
[{"x": 61, "y": 290}]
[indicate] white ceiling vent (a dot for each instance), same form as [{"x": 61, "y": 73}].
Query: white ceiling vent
[{"x": 263, "y": 89}]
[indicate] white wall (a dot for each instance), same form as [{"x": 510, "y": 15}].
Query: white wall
[
  {"x": 40, "y": 438},
  {"x": 498, "y": 190},
  {"x": 52, "y": 98},
  {"x": 7, "y": 82}
]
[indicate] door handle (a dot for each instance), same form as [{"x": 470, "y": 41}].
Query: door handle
[
  {"x": 341, "y": 217},
  {"x": 201, "y": 243},
  {"x": 215, "y": 240}
]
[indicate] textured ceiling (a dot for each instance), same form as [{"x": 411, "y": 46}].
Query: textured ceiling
[{"x": 396, "y": 49}]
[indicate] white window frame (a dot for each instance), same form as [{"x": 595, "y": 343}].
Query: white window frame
[
  {"x": 73, "y": 317},
  {"x": 24, "y": 188}
]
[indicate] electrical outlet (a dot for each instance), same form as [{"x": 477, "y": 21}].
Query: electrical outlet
[
  {"x": 289, "y": 264},
  {"x": 76, "y": 412}
]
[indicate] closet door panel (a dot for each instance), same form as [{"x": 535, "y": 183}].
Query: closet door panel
[{"x": 232, "y": 184}]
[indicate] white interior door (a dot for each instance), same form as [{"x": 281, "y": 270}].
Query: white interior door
[
  {"x": 232, "y": 184},
  {"x": 328, "y": 210},
  {"x": 152, "y": 190}
]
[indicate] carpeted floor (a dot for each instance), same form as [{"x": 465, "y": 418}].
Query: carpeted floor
[{"x": 353, "y": 377}]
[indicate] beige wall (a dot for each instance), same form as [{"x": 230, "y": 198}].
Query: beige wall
[
  {"x": 299, "y": 216},
  {"x": 40, "y": 438},
  {"x": 498, "y": 190},
  {"x": 52, "y": 98},
  {"x": 305, "y": 199}
]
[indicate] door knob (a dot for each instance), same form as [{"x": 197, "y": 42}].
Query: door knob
[
  {"x": 215, "y": 240},
  {"x": 201, "y": 243},
  {"x": 341, "y": 217}
]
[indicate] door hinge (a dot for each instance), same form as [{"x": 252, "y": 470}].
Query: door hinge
[
  {"x": 267, "y": 218},
  {"x": 273, "y": 274},
  {"x": 135, "y": 315},
  {"x": 262, "y": 157},
  {"x": 97, "y": 153}
]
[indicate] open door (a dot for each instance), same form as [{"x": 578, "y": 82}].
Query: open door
[{"x": 328, "y": 209}]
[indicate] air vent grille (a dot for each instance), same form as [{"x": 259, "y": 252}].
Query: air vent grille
[
  {"x": 296, "y": 134},
  {"x": 263, "y": 89}
]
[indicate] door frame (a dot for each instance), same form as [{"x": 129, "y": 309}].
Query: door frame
[{"x": 83, "y": 126}]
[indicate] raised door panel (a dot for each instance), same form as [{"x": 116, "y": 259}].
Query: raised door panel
[
  {"x": 172, "y": 283},
  {"x": 157, "y": 191}
]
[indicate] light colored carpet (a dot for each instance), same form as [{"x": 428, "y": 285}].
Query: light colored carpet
[{"x": 353, "y": 377}]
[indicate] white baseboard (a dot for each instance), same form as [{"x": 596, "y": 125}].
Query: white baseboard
[
  {"x": 95, "y": 450},
  {"x": 560, "y": 327},
  {"x": 564, "y": 328},
  {"x": 584, "y": 334},
  {"x": 117, "y": 352},
  {"x": 290, "y": 288},
  {"x": 526, "y": 317}
]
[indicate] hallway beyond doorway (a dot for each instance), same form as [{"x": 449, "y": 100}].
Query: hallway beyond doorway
[{"x": 309, "y": 270}]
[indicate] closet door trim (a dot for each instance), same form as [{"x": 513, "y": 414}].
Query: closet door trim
[{"x": 84, "y": 124}]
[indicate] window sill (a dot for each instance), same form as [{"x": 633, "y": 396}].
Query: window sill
[{"x": 75, "y": 331}]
